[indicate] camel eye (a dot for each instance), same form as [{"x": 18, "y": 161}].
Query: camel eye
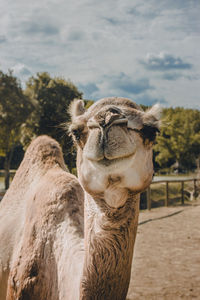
[
  {"x": 76, "y": 131},
  {"x": 149, "y": 132},
  {"x": 79, "y": 134},
  {"x": 76, "y": 135}
]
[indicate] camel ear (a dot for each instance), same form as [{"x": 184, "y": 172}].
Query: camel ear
[
  {"x": 76, "y": 109},
  {"x": 152, "y": 116},
  {"x": 78, "y": 121},
  {"x": 151, "y": 123}
]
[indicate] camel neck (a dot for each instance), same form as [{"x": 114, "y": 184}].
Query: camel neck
[{"x": 109, "y": 241}]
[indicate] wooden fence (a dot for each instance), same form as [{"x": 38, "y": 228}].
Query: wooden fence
[
  {"x": 167, "y": 182},
  {"x": 148, "y": 191}
]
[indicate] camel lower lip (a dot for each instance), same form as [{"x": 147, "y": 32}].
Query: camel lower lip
[{"x": 107, "y": 162}]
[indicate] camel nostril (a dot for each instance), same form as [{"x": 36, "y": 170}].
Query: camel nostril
[
  {"x": 114, "y": 110},
  {"x": 105, "y": 118},
  {"x": 113, "y": 118},
  {"x": 120, "y": 121}
]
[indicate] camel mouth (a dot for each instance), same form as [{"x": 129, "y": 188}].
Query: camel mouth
[
  {"x": 107, "y": 158},
  {"x": 115, "y": 144},
  {"x": 106, "y": 163}
]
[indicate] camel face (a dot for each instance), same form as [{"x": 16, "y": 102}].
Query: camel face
[{"x": 114, "y": 139}]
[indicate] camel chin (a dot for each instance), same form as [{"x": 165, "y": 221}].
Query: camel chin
[{"x": 128, "y": 173}]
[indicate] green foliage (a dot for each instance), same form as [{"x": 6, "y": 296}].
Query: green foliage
[
  {"x": 179, "y": 140},
  {"x": 51, "y": 97},
  {"x": 88, "y": 103},
  {"x": 14, "y": 110},
  {"x": 42, "y": 109}
]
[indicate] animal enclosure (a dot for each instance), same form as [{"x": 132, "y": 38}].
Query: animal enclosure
[{"x": 169, "y": 192}]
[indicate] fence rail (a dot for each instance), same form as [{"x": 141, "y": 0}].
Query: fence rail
[
  {"x": 167, "y": 182},
  {"x": 148, "y": 191}
]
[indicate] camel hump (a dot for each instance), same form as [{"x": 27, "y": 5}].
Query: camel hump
[
  {"x": 44, "y": 151},
  {"x": 43, "y": 154},
  {"x": 44, "y": 204}
]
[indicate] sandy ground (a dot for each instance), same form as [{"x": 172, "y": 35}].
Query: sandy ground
[{"x": 166, "y": 261}]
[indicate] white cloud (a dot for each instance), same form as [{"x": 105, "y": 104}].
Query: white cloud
[
  {"x": 21, "y": 70},
  {"x": 92, "y": 42},
  {"x": 164, "y": 62}
]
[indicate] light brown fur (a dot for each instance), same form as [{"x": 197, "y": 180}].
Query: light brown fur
[{"x": 58, "y": 241}]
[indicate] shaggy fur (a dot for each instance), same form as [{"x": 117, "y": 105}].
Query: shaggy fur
[{"x": 44, "y": 206}]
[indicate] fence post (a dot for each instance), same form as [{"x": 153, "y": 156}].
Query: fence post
[
  {"x": 149, "y": 198},
  {"x": 167, "y": 194},
  {"x": 195, "y": 188},
  {"x": 182, "y": 192}
]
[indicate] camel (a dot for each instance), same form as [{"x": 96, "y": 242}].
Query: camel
[{"x": 69, "y": 238}]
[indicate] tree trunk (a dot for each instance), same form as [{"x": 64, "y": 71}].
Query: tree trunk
[
  {"x": 6, "y": 179},
  {"x": 7, "y": 162},
  {"x": 198, "y": 164}
]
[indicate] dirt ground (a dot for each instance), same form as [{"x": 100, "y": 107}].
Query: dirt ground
[{"x": 166, "y": 262}]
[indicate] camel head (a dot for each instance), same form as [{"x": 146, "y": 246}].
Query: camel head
[{"x": 114, "y": 139}]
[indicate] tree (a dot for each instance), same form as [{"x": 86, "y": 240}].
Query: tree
[
  {"x": 14, "y": 110},
  {"x": 51, "y": 97},
  {"x": 180, "y": 138}
]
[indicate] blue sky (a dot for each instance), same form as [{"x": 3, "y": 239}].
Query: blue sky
[{"x": 147, "y": 51}]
